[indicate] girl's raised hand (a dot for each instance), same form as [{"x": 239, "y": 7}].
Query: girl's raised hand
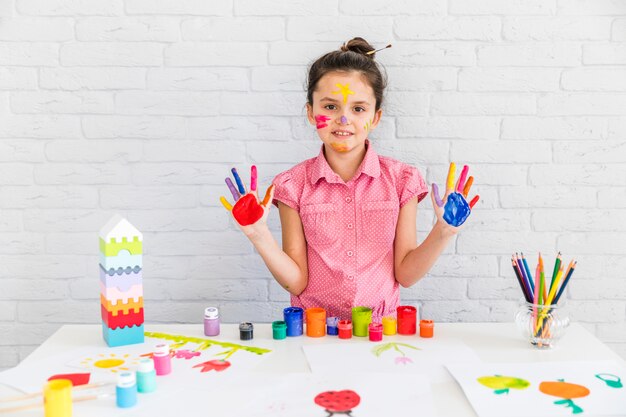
[
  {"x": 248, "y": 211},
  {"x": 456, "y": 209}
]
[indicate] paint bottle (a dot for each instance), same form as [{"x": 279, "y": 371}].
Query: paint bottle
[
  {"x": 345, "y": 329},
  {"x": 246, "y": 331},
  {"x": 427, "y": 328},
  {"x": 315, "y": 322},
  {"x": 390, "y": 325},
  {"x": 376, "y": 332},
  {"x": 361, "y": 318},
  {"x": 146, "y": 375},
  {"x": 126, "y": 390},
  {"x": 279, "y": 330},
  {"x": 57, "y": 398},
  {"x": 162, "y": 359},
  {"x": 294, "y": 317},
  {"x": 331, "y": 326},
  {"x": 211, "y": 321},
  {"x": 407, "y": 320}
]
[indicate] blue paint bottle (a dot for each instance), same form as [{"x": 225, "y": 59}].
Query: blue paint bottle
[
  {"x": 146, "y": 376},
  {"x": 331, "y": 326},
  {"x": 294, "y": 317},
  {"x": 126, "y": 390}
]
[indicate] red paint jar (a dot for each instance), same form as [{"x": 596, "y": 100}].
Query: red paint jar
[
  {"x": 376, "y": 332},
  {"x": 407, "y": 320},
  {"x": 427, "y": 328},
  {"x": 345, "y": 329}
]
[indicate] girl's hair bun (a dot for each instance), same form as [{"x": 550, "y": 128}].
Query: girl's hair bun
[{"x": 360, "y": 46}]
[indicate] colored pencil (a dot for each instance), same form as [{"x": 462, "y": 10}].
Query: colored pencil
[
  {"x": 569, "y": 275},
  {"x": 542, "y": 288},
  {"x": 520, "y": 280},
  {"x": 530, "y": 277},
  {"x": 557, "y": 264},
  {"x": 520, "y": 268}
]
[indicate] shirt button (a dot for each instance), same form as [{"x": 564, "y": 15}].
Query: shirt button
[
  {"x": 350, "y": 226},
  {"x": 349, "y": 253},
  {"x": 350, "y": 277},
  {"x": 348, "y": 199}
]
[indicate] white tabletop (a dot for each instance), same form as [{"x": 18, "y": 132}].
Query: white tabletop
[{"x": 492, "y": 342}]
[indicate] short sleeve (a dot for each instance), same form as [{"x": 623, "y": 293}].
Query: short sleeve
[
  {"x": 411, "y": 184},
  {"x": 286, "y": 190}
]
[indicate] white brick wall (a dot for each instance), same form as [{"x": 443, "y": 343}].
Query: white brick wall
[{"x": 141, "y": 106}]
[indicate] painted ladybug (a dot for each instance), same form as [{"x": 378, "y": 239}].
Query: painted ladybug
[{"x": 338, "y": 402}]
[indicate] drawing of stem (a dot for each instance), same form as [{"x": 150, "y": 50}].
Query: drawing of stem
[
  {"x": 204, "y": 344},
  {"x": 378, "y": 350}
]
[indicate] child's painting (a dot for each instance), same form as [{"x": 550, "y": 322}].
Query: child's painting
[
  {"x": 397, "y": 355},
  {"x": 305, "y": 395},
  {"x": 544, "y": 388}
]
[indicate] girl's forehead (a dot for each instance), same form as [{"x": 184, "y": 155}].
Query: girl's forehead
[{"x": 355, "y": 81}]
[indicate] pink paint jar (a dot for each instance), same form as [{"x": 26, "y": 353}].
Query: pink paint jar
[
  {"x": 345, "y": 329},
  {"x": 162, "y": 359},
  {"x": 376, "y": 332},
  {"x": 211, "y": 321}
]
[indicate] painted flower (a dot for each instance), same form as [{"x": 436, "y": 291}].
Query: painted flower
[
  {"x": 216, "y": 365},
  {"x": 403, "y": 360},
  {"x": 185, "y": 354}
]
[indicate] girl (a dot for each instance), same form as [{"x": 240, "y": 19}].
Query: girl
[{"x": 348, "y": 215}]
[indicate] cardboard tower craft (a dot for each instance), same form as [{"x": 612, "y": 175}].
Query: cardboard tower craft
[{"x": 121, "y": 288}]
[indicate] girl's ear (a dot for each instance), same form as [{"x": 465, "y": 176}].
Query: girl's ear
[
  {"x": 309, "y": 114},
  {"x": 377, "y": 117}
]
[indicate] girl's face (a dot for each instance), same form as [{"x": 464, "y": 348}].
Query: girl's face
[{"x": 344, "y": 111}]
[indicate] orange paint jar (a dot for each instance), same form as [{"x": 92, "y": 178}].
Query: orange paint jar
[
  {"x": 315, "y": 322},
  {"x": 427, "y": 328}
]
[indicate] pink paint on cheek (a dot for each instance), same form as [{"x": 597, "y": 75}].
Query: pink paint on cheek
[{"x": 321, "y": 121}]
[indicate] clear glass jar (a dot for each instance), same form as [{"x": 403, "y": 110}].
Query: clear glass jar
[{"x": 542, "y": 325}]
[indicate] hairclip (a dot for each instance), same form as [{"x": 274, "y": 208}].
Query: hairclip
[{"x": 373, "y": 52}]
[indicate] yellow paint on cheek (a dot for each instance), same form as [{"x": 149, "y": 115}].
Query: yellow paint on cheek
[
  {"x": 108, "y": 363},
  {"x": 339, "y": 147}
]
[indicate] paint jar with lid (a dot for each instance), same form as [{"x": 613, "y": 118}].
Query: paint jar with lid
[
  {"x": 331, "y": 326},
  {"x": 315, "y": 322},
  {"x": 211, "y": 321},
  {"x": 279, "y": 330},
  {"x": 375, "y": 332},
  {"x": 390, "y": 325},
  {"x": 294, "y": 317},
  {"x": 344, "y": 328},
  {"x": 246, "y": 331},
  {"x": 162, "y": 359},
  {"x": 407, "y": 320},
  {"x": 146, "y": 375},
  {"x": 126, "y": 390},
  {"x": 427, "y": 328},
  {"x": 57, "y": 396},
  {"x": 361, "y": 319}
]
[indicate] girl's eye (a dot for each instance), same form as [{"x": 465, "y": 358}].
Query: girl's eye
[
  {"x": 330, "y": 107},
  {"x": 359, "y": 109}
]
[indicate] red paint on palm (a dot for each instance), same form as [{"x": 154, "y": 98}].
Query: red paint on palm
[
  {"x": 338, "y": 401},
  {"x": 247, "y": 211}
]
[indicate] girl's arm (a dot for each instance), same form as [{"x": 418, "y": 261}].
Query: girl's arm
[
  {"x": 411, "y": 261},
  {"x": 288, "y": 265}
]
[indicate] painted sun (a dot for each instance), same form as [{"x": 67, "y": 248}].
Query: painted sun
[{"x": 110, "y": 362}]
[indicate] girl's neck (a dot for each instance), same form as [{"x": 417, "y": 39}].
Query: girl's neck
[{"x": 345, "y": 164}]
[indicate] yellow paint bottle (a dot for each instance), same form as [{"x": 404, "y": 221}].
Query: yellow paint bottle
[
  {"x": 389, "y": 325},
  {"x": 57, "y": 398}
]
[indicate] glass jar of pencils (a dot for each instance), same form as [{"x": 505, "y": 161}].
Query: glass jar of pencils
[{"x": 542, "y": 325}]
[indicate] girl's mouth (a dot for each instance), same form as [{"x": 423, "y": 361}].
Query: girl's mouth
[{"x": 342, "y": 134}]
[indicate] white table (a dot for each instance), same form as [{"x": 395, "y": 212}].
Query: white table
[{"x": 492, "y": 342}]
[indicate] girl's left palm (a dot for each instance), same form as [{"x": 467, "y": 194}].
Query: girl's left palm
[{"x": 456, "y": 209}]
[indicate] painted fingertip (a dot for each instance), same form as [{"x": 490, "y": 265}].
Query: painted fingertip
[
  {"x": 232, "y": 189},
  {"x": 268, "y": 195},
  {"x": 451, "y": 175},
  {"x": 253, "y": 178},
  {"x": 468, "y": 185},
  {"x": 242, "y": 189},
  {"x": 474, "y": 201},
  {"x": 436, "y": 195},
  {"x": 226, "y": 204},
  {"x": 462, "y": 179}
]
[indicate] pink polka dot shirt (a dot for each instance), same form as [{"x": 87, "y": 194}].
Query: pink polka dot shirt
[{"x": 350, "y": 229}]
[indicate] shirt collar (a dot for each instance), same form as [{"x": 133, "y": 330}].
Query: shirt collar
[{"x": 369, "y": 166}]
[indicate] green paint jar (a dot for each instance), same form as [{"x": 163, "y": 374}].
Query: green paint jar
[
  {"x": 361, "y": 319},
  {"x": 279, "y": 330}
]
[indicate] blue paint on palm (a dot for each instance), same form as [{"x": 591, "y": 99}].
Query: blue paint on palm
[{"x": 456, "y": 210}]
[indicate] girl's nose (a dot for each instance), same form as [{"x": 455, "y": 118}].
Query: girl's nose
[{"x": 344, "y": 120}]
